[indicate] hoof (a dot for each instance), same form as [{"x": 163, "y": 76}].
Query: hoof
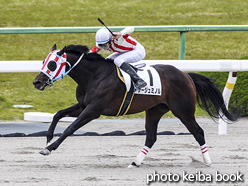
[
  {"x": 45, "y": 152},
  {"x": 207, "y": 164},
  {"x": 133, "y": 165}
]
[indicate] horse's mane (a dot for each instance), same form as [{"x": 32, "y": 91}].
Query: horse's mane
[{"x": 79, "y": 49}]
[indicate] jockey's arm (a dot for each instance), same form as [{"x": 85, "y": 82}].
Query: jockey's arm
[
  {"x": 127, "y": 30},
  {"x": 95, "y": 49}
]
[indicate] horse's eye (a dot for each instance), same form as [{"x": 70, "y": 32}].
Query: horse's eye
[
  {"x": 52, "y": 65},
  {"x": 43, "y": 62}
]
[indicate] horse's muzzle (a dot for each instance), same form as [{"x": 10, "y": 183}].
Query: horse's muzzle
[{"x": 39, "y": 84}]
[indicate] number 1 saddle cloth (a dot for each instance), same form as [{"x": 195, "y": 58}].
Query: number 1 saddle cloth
[{"x": 149, "y": 75}]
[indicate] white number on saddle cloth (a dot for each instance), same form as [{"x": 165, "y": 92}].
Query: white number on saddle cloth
[
  {"x": 150, "y": 76},
  {"x": 54, "y": 65}
]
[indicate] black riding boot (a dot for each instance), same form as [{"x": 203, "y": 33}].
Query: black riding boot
[{"x": 138, "y": 82}]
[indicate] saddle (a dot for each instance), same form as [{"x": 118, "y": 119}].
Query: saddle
[{"x": 148, "y": 74}]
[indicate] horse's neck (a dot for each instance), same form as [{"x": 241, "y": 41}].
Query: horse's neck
[
  {"x": 86, "y": 71},
  {"x": 83, "y": 71}
]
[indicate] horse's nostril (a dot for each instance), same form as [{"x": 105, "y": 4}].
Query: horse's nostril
[{"x": 36, "y": 82}]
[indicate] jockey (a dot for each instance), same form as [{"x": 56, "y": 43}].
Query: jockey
[{"x": 126, "y": 50}]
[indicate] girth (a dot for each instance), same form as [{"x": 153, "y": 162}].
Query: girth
[{"x": 128, "y": 97}]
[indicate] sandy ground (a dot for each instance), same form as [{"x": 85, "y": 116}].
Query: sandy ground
[{"x": 103, "y": 160}]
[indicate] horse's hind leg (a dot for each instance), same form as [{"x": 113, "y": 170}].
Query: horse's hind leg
[
  {"x": 153, "y": 116},
  {"x": 185, "y": 112},
  {"x": 198, "y": 134}
]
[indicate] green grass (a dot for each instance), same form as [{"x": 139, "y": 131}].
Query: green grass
[{"x": 17, "y": 88}]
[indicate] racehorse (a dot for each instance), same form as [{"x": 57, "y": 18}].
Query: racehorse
[{"x": 100, "y": 92}]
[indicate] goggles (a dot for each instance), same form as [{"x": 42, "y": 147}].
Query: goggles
[{"x": 104, "y": 45}]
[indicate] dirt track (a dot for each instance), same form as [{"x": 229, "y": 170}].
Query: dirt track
[{"x": 103, "y": 160}]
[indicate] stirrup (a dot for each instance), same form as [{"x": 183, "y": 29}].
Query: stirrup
[{"x": 140, "y": 84}]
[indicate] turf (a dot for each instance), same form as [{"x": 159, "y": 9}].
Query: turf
[{"x": 17, "y": 88}]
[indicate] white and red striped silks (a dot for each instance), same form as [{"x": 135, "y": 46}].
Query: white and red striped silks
[{"x": 122, "y": 44}]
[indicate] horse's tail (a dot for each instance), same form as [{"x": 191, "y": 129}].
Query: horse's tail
[{"x": 210, "y": 99}]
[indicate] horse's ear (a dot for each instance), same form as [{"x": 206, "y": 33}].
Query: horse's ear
[
  {"x": 61, "y": 52},
  {"x": 54, "y": 47}
]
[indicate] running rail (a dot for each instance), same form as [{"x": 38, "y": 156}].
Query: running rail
[
  {"x": 184, "y": 65},
  {"x": 182, "y": 29}
]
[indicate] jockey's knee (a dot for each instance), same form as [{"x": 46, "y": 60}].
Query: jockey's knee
[{"x": 118, "y": 62}]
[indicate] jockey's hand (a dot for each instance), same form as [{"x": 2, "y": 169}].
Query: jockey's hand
[{"x": 116, "y": 35}]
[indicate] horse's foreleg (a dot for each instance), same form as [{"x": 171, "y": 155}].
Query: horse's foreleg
[
  {"x": 88, "y": 114},
  {"x": 153, "y": 116},
  {"x": 73, "y": 111}
]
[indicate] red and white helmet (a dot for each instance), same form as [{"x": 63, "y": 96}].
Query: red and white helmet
[{"x": 103, "y": 36}]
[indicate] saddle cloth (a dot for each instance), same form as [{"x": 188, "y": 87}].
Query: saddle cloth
[{"x": 150, "y": 76}]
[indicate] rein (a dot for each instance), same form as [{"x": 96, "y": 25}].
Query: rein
[{"x": 50, "y": 81}]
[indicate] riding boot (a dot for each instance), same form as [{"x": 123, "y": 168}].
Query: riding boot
[{"x": 138, "y": 82}]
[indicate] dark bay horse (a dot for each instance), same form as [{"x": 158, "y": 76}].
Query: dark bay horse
[{"x": 100, "y": 92}]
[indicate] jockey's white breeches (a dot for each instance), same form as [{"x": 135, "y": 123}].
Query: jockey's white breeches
[{"x": 132, "y": 56}]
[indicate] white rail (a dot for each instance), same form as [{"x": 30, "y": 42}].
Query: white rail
[
  {"x": 20, "y": 66},
  {"x": 184, "y": 65}
]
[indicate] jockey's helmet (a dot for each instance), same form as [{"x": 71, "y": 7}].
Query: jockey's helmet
[{"x": 103, "y": 36}]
